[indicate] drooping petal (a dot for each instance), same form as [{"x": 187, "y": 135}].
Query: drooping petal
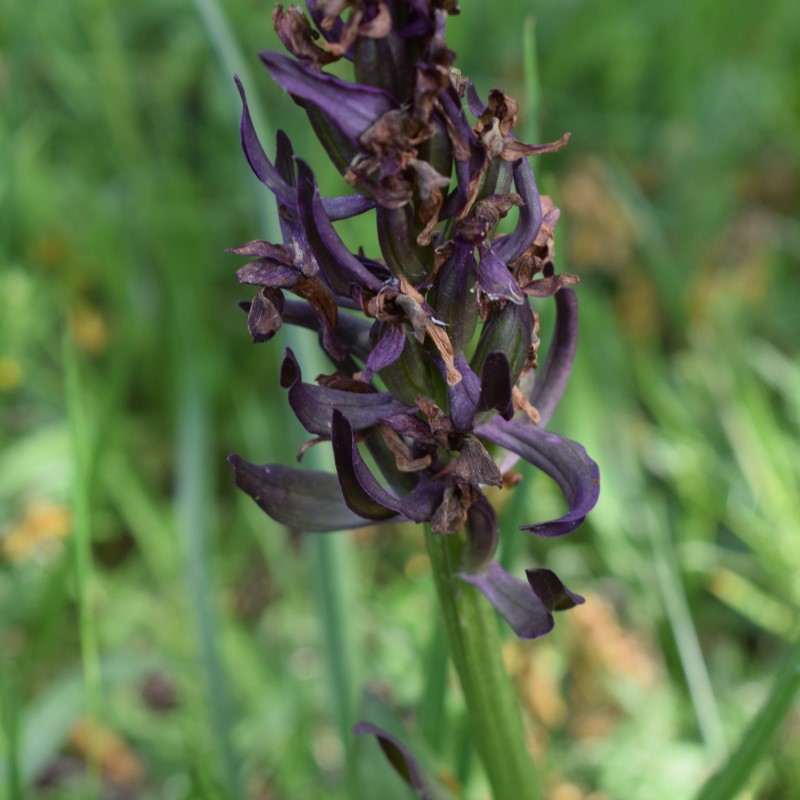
[
  {"x": 508, "y": 248},
  {"x": 306, "y": 500},
  {"x": 552, "y": 593},
  {"x": 496, "y": 279},
  {"x": 565, "y": 461},
  {"x": 352, "y": 107},
  {"x": 553, "y": 375},
  {"x": 390, "y": 339},
  {"x": 339, "y": 266},
  {"x": 463, "y": 397},
  {"x": 314, "y": 405},
  {"x": 403, "y": 762},
  {"x": 362, "y": 492},
  {"x": 515, "y": 600}
]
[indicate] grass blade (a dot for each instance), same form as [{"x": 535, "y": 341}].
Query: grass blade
[
  {"x": 733, "y": 776},
  {"x": 193, "y": 488},
  {"x": 81, "y": 539}
]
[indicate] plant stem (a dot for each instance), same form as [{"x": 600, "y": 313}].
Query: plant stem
[{"x": 475, "y": 647}]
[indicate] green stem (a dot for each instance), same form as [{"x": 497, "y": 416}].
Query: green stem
[{"x": 492, "y": 703}]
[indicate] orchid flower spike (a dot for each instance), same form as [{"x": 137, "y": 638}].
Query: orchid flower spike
[{"x": 443, "y": 361}]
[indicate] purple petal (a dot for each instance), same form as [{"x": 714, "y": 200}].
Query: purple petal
[
  {"x": 496, "y": 279},
  {"x": 565, "y": 461},
  {"x": 347, "y": 206},
  {"x": 522, "y": 237},
  {"x": 552, "y": 593},
  {"x": 514, "y": 599},
  {"x": 496, "y": 385},
  {"x": 362, "y": 492},
  {"x": 278, "y": 179},
  {"x": 553, "y": 375},
  {"x": 389, "y": 344},
  {"x": 314, "y": 405},
  {"x": 339, "y": 266},
  {"x": 401, "y": 759},
  {"x": 476, "y": 105},
  {"x": 302, "y": 499},
  {"x": 257, "y": 158},
  {"x": 351, "y": 106},
  {"x": 463, "y": 398}
]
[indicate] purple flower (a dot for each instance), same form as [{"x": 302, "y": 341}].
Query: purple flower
[{"x": 442, "y": 365}]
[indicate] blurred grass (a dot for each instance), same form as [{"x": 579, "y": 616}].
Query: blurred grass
[{"x": 122, "y": 184}]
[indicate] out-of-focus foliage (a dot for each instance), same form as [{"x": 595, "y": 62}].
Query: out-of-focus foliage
[{"x": 221, "y": 657}]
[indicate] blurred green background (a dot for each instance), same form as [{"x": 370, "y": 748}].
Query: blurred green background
[{"x": 161, "y": 638}]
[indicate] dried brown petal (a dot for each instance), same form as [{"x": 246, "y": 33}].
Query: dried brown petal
[
  {"x": 521, "y": 403},
  {"x": 403, "y": 457},
  {"x": 515, "y": 149},
  {"x": 345, "y": 383},
  {"x": 474, "y": 465},
  {"x": 440, "y": 424},
  {"x": 297, "y": 35},
  {"x": 264, "y": 317},
  {"x": 493, "y": 208},
  {"x": 451, "y": 515}
]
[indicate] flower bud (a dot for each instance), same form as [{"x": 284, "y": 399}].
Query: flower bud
[{"x": 508, "y": 328}]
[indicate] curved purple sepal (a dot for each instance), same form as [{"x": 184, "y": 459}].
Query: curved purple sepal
[
  {"x": 508, "y": 248},
  {"x": 402, "y": 760},
  {"x": 565, "y": 461},
  {"x": 339, "y": 266},
  {"x": 390, "y": 339},
  {"x": 270, "y": 175},
  {"x": 351, "y": 106},
  {"x": 519, "y": 603},
  {"x": 463, "y": 398},
  {"x": 552, "y": 593},
  {"x": 314, "y": 405},
  {"x": 305, "y": 500},
  {"x": 362, "y": 492},
  {"x": 496, "y": 279},
  {"x": 552, "y": 376}
]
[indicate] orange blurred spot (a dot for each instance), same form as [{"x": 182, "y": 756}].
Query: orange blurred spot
[
  {"x": 97, "y": 744},
  {"x": 10, "y": 374},
  {"x": 89, "y": 329},
  {"x": 41, "y": 529}
]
